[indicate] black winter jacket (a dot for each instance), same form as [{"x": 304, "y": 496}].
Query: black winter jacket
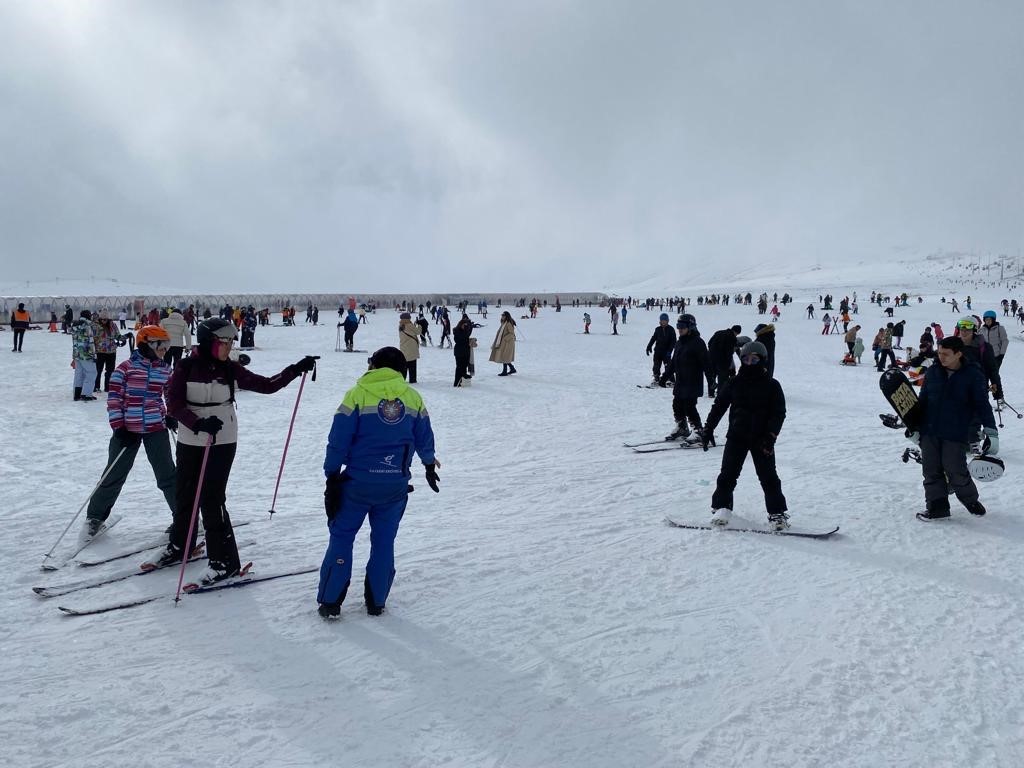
[
  {"x": 721, "y": 347},
  {"x": 662, "y": 340},
  {"x": 756, "y": 405},
  {"x": 950, "y": 400},
  {"x": 691, "y": 365}
]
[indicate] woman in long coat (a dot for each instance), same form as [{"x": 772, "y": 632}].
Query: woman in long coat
[
  {"x": 503, "y": 350},
  {"x": 409, "y": 343}
]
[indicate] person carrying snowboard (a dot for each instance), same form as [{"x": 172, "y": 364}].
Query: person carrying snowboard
[
  {"x": 201, "y": 396},
  {"x": 661, "y": 343},
  {"x": 952, "y": 397},
  {"x": 757, "y": 409},
  {"x": 380, "y": 423},
  {"x": 138, "y": 416}
]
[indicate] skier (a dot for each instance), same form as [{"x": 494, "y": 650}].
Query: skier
[
  {"x": 690, "y": 366},
  {"x": 995, "y": 335},
  {"x": 446, "y": 328},
  {"x": 409, "y": 343},
  {"x": 424, "y": 326},
  {"x": 201, "y": 396},
  {"x": 105, "y": 336},
  {"x": 721, "y": 348},
  {"x": 379, "y": 420},
  {"x": 138, "y": 416},
  {"x": 885, "y": 352},
  {"x": 20, "y": 321},
  {"x": 249, "y": 328},
  {"x": 83, "y": 355},
  {"x": 586, "y": 323},
  {"x": 661, "y": 343},
  {"x": 765, "y": 333},
  {"x": 757, "y": 409},
  {"x": 350, "y": 326},
  {"x": 615, "y": 321},
  {"x": 952, "y": 397},
  {"x": 503, "y": 348}
]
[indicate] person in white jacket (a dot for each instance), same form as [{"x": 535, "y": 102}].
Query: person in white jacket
[
  {"x": 994, "y": 335},
  {"x": 181, "y": 337}
]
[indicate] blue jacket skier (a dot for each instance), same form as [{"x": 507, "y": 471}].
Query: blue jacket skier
[{"x": 379, "y": 424}]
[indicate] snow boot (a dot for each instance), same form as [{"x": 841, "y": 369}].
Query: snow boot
[
  {"x": 329, "y": 610},
  {"x": 78, "y": 393},
  {"x": 92, "y": 526},
  {"x": 778, "y": 521},
  {"x": 371, "y": 605},
  {"x": 721, "y": 516},
  {"x": 976, "y": 508}
]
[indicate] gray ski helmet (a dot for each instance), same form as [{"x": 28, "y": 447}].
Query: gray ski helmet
[
  {"x": 754, "y": 348},
  {"x": 214, "y": 328},
  {"x": 663, "y": 316},
  {"x": 389, "y": 357},
  {"x": 686, "y": 321},
  {"x": 741, "y": 340}
]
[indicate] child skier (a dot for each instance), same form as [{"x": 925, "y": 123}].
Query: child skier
[
  {"x": 138, "y": 416},
  {"x": 757, "y": 409}
]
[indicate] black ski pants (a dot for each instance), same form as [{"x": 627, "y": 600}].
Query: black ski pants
[
  {"x": 105, "y": 364},
  {"x": 882, "y": 355},
  {"x": 158, "y": 451},
  {"x": 350, "y": 337},
  {"x": 248, "y": 338},
  {"x": 19, "y": 339},
  {"x": 410, "y": 371},
  {"x": 685, "y": 409},
  {"x": 173, "y": 356},
  {"x": 220, "y": 537},
  {"x": 722, "y": 377},
  {"x": 662, "y": 358},
  {"x": 944, "y": 467},
  {"x": 461, "y": 364},
  {"x": 733, "y": 456}
]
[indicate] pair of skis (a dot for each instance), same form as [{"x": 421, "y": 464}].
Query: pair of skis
[
  {"x": 658, "y": 446},
  {"x": 244, "y": 578}
]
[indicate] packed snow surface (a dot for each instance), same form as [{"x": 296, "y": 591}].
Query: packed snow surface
[{"x": 543, "y": 613}]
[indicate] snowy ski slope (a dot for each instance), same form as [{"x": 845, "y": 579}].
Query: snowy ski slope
[{"x": 543, "y": 614}]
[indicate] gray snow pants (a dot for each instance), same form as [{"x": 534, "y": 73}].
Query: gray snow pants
[
  {"x": 158, "y": 451},
  {"x": 944, "y": 466}
]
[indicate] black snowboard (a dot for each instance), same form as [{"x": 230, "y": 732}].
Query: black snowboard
[{"x": 901, "y": 396}]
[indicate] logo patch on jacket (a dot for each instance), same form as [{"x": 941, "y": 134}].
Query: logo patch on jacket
[{"x": 391, "y": 411}]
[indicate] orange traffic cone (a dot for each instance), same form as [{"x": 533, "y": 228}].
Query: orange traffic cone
[{"x": 53, "y": 326}]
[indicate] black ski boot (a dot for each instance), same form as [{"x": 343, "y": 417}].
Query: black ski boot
[
  {"x": 936, "y": 510},
  {"x": 682, "y": 430},
  {"x": 329, "y": 610},
  {"x": 92, "y": 526},
  {"x": 371, "y": 605},
  {"x": 976, "y": 508},
  {"x": 169, "y": 555}
]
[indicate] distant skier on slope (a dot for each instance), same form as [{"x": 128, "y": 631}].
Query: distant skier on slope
[
  {"x": 661, "y": 343},
  {"x": 757, "y": 409}
]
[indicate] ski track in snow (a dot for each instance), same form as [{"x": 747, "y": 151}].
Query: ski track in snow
[{"x": 543, "y": 613}]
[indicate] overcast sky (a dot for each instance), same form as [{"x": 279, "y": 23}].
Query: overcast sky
[{"x": 518, "y": 145}]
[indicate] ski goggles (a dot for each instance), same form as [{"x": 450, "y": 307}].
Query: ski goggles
[
  {"x": 751, "y": 359},
  {"x": 160, "y": 343},
  {"x": 966, "y": 325}
]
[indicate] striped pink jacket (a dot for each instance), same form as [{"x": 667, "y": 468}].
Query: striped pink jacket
[{"x": 136, "y": 397}]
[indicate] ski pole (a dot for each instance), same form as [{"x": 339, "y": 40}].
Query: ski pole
[
  {"x": 187, "y": 549},
  {"x": 68, "y": 528},
  {"x": 999, "y": 414},
  {"x": 1007, "y": 405},
  {"x": 284, "y": 454}
]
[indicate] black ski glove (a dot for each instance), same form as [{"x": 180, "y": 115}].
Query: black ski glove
[
  {"x": 332, "y": 495},
  {"x": 127, "y": 438},
  {"x": 210, "y": 424},
  {"x": 768, "y": 445},
  {"x": 305, "y": 365},
  {"x": 707, "y": 437},
  {"x": 432, "y": 478},
  {"x": 648, "y": 351},
  {"x": 171, "y": 422}
]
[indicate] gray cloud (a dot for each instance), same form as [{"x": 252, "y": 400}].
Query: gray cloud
[{"x": 444, "y": 145}]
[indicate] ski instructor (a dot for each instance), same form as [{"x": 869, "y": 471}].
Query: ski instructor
[
  {"x": 201, "y": 396},
  {"x": 378, "y": 425}
]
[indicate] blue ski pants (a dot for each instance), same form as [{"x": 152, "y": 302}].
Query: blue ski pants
[{"x": 384, "y": 507}]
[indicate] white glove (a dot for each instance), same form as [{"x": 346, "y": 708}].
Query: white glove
[{"x": 991, "y": 442}]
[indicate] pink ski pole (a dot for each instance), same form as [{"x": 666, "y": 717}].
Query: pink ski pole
[
  {"x": 187, "y": 549},
  {"x": 287, "y": 440}
]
